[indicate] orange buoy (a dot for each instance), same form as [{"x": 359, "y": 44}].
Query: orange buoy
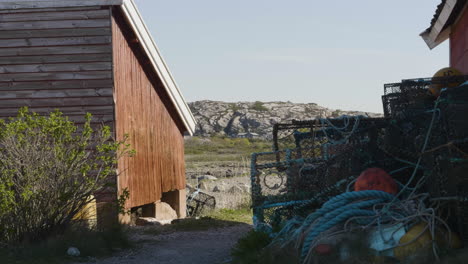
[{"x": 376, "y": 179}]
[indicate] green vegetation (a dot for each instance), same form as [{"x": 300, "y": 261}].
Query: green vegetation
[
  {"x": 189, "y": 224},
  {"x": 336, "y": 113},
  {"x": 212, "y": 220},
  {"x": 234, "y": 107},
  {"x": 258, "y": 106},
  {"x": 241, "y": 215},
  {"x": 248, "y": 249},
  {"x": 198, "y": 149},
  {"x": 53, "y": 250},
  {"x": 47, "y": 175}
]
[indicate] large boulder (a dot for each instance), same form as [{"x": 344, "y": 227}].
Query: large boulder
[{"x": 165, "y": 212}]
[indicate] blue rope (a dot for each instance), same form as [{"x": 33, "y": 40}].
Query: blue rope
[
  {"x": 284, "y": 204},
  {"x": 338, "y": 209},
  {"x": 329, "y": 224},
  {"x": 342, "y": 200}
]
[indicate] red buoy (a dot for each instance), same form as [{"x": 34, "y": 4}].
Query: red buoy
[
  {"x": 323, "y": 249},
  {"x": 376, "y": 179}
]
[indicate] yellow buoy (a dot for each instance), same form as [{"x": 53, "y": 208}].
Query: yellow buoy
[
  {"x": 411, "y": 243},
  {"x": 444, "y": 72},
  {"x": 424, "y": 240}
]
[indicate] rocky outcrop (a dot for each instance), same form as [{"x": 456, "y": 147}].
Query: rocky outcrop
[{"x": 252, "y": 119}]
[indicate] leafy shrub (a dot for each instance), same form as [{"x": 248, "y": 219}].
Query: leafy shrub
[
  {"x": 258, "y": 106},
  {"x": 234, "y": 107},
  {"x": 49, "y": 169},
  {"x": 91, "y": 243},
  {"x": 248, "y": 248}
]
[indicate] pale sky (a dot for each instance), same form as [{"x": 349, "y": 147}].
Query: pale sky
[{"x": 337, "y": 54}]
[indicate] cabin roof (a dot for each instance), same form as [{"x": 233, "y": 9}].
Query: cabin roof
[
  {"x": 446, "y": 14},
  {"x": 135, "y": 20}
]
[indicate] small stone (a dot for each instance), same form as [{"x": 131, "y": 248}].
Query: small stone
[
  {"x": 203, "y": 186},
  {"x": 207, "y": 177},
  {"x": 216, "y": 189},
  {"x": 235, "y": 190},
  {"x": 151, "y": 221},
  {"x": 246, "y": 188},
  {"x": 73, "y": 251}
]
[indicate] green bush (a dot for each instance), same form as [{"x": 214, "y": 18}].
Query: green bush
[
  {"x": 49, "y": 169},
  {"x": 258, "y": 106},
  {"x": 248, "y": 248},
  {"x": 91, "y": 243},
  {"x": 234, "y": 107}
]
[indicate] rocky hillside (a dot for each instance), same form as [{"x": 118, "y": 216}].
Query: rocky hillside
[{"x": 234, "y": 119}]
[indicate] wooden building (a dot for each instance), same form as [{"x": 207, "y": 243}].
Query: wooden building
[
  {"x": 450, "y": 21},
  {"x": 97, "y": 56}
]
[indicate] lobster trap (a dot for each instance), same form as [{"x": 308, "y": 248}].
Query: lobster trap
[
  {"x": 326, "y": 156},
  {"x": 421, "y": 141},
  {"x": 412, "y": 96},
  {"x": 199, "y": 202}
]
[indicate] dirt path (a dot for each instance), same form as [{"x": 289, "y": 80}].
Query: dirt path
[{"x": 211, "y": 246}]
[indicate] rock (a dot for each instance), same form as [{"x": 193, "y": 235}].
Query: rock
[
  {"x": 165, "y": 212},
  {"x": 229, "y": 173},
  {"x": 246, "y": 188},
  {"x": 73, "y": 251},
  {"x": 203, "y": 186},
  {"x": 219, "y": 188},
  {"x": 256, "y": 118},
  {"x": 207, "y": 177},
  {"x": 151, "y": 221},
  {"x": 235, "y": 190}
]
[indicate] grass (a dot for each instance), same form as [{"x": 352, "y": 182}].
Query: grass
[
  {"x": 217, "y": 145},
  {"x": 92, "y": 244},
  {"x": 242, "y": 215},
  {"x": 219, "y": 218},
  {"x": 258, "y": 106},
  {"x": 189, "y": 225},
  {"x": 248, "y": 249}
]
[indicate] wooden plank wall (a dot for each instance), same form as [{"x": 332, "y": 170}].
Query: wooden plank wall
[
  {"x": 141, "y": 112},
  {"x": 459, "y": 44},
  {"x": 57, "y": 58}
]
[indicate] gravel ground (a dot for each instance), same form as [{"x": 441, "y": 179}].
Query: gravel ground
[{"x": 211, "y": 246}]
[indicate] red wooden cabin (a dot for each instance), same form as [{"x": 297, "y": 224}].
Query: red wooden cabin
[
  {"x": 451, "y": 22},
  {"x": 97, "y": 56}
]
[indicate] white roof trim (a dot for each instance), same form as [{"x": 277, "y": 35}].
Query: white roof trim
[
  {"x": 134, "y": 18},
  {"x": 436, "y": 36},
  {"x": 20, "y": 4},
  {"x": 136, "y": 22}
]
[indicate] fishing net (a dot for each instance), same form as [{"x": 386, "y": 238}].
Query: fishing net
[{"x": 421, "y": 141}]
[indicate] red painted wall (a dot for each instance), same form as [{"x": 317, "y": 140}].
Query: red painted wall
[{"x": 459, "y": 44}]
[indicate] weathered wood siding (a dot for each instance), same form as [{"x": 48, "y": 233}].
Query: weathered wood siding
[
  {"x": 57, "y": 58},
  {"x": 459, "y": 44},
  {"x": 142, "y": 112}
]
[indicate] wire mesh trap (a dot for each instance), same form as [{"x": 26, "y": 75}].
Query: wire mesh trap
[
  {"x": 422, "y": 142},
  {"x": 199, "y": 202}
]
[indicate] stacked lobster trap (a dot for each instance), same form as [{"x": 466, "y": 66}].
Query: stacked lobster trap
[{"x": 421, "y": 141}]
